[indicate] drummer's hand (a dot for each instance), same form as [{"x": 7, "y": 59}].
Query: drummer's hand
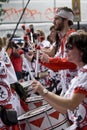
[
  {"x": 37, "y": 86},
  {"x": 44, "y": 58}
]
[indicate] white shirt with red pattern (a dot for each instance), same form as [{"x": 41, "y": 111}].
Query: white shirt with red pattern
[
  {"x": 79, "y": 85},
  {"x": 66, "y": 75}
]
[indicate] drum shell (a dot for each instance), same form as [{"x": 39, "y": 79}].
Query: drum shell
[
  {"x": 48, "y": 119},
  {"x": 35, "y": 102}
]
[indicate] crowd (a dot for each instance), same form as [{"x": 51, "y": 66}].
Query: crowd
[{"x": 56, "y": 64}]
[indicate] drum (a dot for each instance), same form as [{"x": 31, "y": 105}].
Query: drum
[
  {"x": 35, "y": 101},
  {"x": 27, "y": 86},
  {"x": 45, "y": 118}
]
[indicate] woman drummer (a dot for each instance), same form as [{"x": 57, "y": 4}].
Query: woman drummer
[{"x": 74, "y": 102}]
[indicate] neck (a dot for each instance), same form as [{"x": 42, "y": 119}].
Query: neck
[
  {"x": 80, "y": 65},
  {"x": 64, "y": 31}
]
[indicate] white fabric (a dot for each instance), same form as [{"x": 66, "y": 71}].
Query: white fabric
[
  {"x": 2, "y": 53},
  {"x": 25, "y": 63},
  {"x": 10, "y": 70},
  {"x": 79, "y": 81},
  {"x": 52, "y": 45},
  {"x": 65, "y": 14},
  {"x": 45, "y": 43}
]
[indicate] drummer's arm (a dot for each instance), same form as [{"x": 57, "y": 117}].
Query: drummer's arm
[
  {"x": 54, "y": 104},
  {"x": 57, "y": 63},
  {"x": 63, "y": 104},
  {"x": 53, "y": 99}
]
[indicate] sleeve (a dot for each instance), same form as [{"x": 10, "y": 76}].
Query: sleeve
[
  {"x": 57, "y": 63},
  {"x": 81, "y": 86}
]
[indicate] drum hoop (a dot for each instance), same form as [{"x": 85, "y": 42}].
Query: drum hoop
[
  {"x": 34, "y": 99},
  {"x": 34, "y": 115}
]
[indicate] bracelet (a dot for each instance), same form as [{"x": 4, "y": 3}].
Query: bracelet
[{"x": 45, "y": 91}]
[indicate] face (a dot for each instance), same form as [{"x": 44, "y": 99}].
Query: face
[
  {"x": 73, "y": 54},
  {"x": 58, "y": 23}
]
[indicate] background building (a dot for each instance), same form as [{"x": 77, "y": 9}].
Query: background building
[{"x": 38, "y": 12}]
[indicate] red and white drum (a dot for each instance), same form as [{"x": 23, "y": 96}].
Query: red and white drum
[
  {"x": 35, "y": 102},
  {"x": 45, "y": 118}
]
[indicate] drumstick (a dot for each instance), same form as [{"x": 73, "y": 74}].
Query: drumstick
[
  {"x": 26, "y": 39},
  {"x": 36, "y": 69},
  {"x": 37, "y": 61},
  {"x": 31, "y": 34}
]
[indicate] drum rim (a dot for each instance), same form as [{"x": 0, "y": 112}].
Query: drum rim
[
  {"x": 34, "y": 98},
  {"x": 48, "y": 107},
  {"x": 26, "y": 84}
]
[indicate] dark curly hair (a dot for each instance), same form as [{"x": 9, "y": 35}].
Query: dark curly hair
[{"x": 79, "y": 39}]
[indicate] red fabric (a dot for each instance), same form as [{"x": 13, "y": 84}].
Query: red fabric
[
  {"x": 80, "y": 90},
  {"x": 83, "y": 128},
  {"x": 57, "y": 63},
  {"x": 64, "y": 38},
  {"x": 24, "y": 105},
  {"x": 15, "y": 127},
  {"x": 9, "y": 106},
  {"x": 5, "y": 128},
  {"x": 17, "y": 62}
]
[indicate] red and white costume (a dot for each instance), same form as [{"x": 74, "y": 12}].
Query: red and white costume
[
  {"x": 66, "y": 71},
  {"x": 8, "y": 97},
  {"x": 79, "y": 85}
]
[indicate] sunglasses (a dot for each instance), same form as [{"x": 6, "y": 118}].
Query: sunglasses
[{"x": 69, "y": 46}]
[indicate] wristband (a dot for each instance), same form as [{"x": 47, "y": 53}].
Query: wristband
[{"x": 45, "y": 91}]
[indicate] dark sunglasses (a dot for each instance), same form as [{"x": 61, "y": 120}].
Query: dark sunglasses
[{"x": 69, "y": 46}]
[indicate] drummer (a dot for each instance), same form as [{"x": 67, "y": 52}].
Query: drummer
[
  {"x": 8, "y": 96},
  {"x": 74, "y": 102}
]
